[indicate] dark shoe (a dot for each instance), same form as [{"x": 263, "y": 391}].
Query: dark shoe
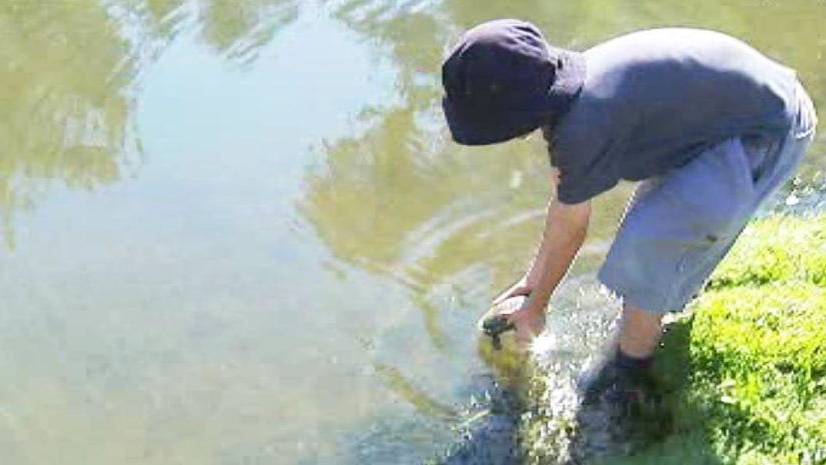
[
  {"x": 622, "y": 410},
  {"x": 614, "y": 384}
]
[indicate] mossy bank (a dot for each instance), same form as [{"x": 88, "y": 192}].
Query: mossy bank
[{"x": 744, "y": 368}]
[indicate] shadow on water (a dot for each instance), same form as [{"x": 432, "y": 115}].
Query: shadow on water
[
  {"x": 492, "y": 436},
  {"x": 484, "y": 431}
]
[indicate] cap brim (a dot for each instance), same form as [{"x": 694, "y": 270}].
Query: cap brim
[
  {"x": 487, "y": 129},
  {"x": 473, "y": 128}
]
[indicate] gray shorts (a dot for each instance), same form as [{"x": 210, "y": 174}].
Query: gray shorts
[{"x": 679, "y": 226}]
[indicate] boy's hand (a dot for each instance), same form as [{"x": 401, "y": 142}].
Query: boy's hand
[
  {"x": 529, "y": 325},
  {"x": 528, "y": 322}
]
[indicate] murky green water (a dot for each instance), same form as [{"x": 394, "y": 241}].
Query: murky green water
[{"x": 235, "y": 232}]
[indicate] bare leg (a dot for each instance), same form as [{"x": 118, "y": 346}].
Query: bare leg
[
  {"x": 626, "y": 373},
  {"x": 640, "y": 332}
]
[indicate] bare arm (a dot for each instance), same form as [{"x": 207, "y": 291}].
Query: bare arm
[{"x": 565, "y": 230}]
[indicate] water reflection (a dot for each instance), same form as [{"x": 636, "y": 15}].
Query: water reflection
[
  {"x": 64, "y": 109},
  {"x": 235, "y": 29},
  {"x": 240, "y": 28},
  {"x": 402, "y": 386},
  {"x": 68, "y": 91}
]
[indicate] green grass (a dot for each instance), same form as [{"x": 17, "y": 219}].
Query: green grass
[{"x": 746, "y": 365}]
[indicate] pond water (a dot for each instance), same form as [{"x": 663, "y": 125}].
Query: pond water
[{"x": 236, "y": 232}]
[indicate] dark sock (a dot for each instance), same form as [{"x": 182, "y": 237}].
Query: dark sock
[{"x": 627, "y": 362}]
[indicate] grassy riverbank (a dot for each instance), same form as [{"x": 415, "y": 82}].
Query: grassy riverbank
[{"x": 745, "y": 368}]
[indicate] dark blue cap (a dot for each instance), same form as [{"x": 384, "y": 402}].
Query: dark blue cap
[{"x": 503, "y": 80}]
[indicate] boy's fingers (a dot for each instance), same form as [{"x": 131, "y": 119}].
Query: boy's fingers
[{"x": 518, "y": 289}]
